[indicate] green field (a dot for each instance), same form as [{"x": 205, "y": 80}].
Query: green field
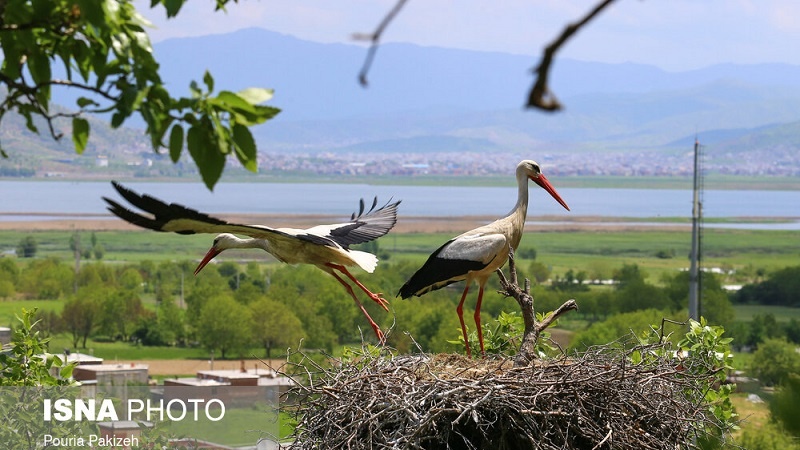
[
  {"x": 240, "y": 426},
  {"x": 598, "y": 251}
]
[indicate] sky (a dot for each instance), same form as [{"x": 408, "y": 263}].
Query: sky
[{"x": 675, "y": 35}]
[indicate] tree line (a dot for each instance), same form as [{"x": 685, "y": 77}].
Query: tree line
[{"x": 230, "y": 307}]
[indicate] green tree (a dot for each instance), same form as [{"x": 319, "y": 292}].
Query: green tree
[
  {"x": 99, "y": 251},
  {"x": 119, "y": 313},
  {"x": 620, "y": 325},
  {"x": 637, "y": 295},
  {"x": 81, "y": 312},
  {"x": 46, "y": 279},
  {"x": 9, "y": 270},
  {"x": 715, "y": 305},
  {"x": 224, "y": 325},
  {"x": 628, "y": 273},
  {"x": 785, "y": 404},
  {"x": 9, "y": 277},
  {"x": 539, "y": 272},
  {"x": 131, "y": 281},
  {"x": 103, "y": 50},
  {"x": 782, "y": 288},
  {"x": 768, "y": 436},
  {"x": 27, "y": 247},
  {"x": 763, "y": 327},
  {"x": 774, "y": 361},
  {"x": 275, "y": 325}
]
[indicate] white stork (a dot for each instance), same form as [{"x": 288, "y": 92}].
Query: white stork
[
  {"x": 325, "y": 246},
  {"x": 476, "y": 254}
]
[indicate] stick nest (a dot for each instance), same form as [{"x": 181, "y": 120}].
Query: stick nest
[{"x": 597, "y": 400}]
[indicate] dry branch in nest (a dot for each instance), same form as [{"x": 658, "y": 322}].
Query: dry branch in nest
[{"x": 599, "y": 400}]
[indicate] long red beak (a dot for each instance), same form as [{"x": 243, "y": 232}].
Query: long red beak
[
  {"x": 206, "y": 259},
  {"x": 542, "y": 181}
]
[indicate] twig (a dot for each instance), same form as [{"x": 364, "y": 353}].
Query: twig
[
  {"x": 533, "y": 329},
  {"x": 540, "y": 95},
  {"x": 375, "y": 38}
]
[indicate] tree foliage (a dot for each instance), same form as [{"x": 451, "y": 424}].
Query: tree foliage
[
  {"x": 275, "y": 325},
  {"x": 102, "y": 49},
  {"x": 785, "y": 404},
  {"x": 774, "y": 361},
  {"x": 27, "y": 247},
  {"x": 781, "y": 288},
  {"x": 224, "y": 325}
]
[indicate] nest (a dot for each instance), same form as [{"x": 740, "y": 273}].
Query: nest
[{"x": 598, "y": 400}]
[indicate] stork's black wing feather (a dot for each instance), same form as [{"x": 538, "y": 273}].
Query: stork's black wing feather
[
  {"x": 162, "y": 212},
  {"x": 438, "y": 272},
  {"x": 366, "y": 227},
  {"x": 176, "y": 218}
]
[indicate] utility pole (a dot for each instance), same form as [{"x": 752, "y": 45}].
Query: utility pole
[{"x": 694, "y": 256}]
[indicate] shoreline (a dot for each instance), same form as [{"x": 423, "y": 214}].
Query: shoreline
[{"x": 43, "y": 221}]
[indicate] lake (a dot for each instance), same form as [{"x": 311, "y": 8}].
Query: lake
[{"x": 85, "y": 197}]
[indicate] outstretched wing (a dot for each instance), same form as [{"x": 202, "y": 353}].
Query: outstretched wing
[
  {"x": 363, "y": 227},
  {"x": 177, "y": 218}
]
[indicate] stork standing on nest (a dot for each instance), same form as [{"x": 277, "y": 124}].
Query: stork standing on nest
[
  {"x": 325, "y": 246},
  {"x": 476, "y": 254}
]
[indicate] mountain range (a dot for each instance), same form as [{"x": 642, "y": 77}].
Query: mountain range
[{"x": 425, "y": 100}]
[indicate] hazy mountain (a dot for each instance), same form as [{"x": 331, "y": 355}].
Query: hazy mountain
[{"x": 424, "y": 99}]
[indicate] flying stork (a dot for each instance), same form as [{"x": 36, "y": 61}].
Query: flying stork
[
  {"x": 474, "y": 255},
  {"x": 325, "y": 246}
]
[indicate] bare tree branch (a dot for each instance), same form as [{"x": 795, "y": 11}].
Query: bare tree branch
[
  {"x": 533, "y": 329},
  {"x": 375, "y": 38},
  {"x": 540, "y": 95}
]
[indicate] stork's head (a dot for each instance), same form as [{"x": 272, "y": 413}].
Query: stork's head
[
  {"x": 529, "y": 168},
  {"x": 221, "y": 242}
]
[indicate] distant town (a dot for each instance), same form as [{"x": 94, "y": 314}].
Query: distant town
[
  {"x": 599, "y": 163},
  {"x": 143, "y": 162}
]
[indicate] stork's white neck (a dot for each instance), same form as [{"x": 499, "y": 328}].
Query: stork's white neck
[
  {"x": 517, "y": 216},
  {"x": 521, "y": 208},
  {"x": 231, "y": 241}
]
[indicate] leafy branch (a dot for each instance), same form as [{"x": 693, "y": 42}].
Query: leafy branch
[{"x": 105, "y": 52}]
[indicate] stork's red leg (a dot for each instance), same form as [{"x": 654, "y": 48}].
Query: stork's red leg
[
  {"x": 478, "y": 319},
  {"x": 372, "y": 323},
  {"x": 460, "y": 311},
  {"x": 375, "y": 297}
]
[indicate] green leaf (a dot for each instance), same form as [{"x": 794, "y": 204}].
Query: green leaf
[
  {"x": 11, "y": 52},
  {"x": 175, "y": 142},
  {"x": 39, "y": 66},
  {"x": 80, "y": 133},
  {"x": 235, "y": 101},
  {"x": 173, "y": 7},
  {"x": 245, "y": 147},
  {"x": 210, "y": 161},
  {"x": 84, "y": 102},
  {"x": 256, "y": 95},
  {"x": 209, "y": 81}
]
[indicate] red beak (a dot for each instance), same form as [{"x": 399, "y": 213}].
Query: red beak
[
  {"x": 206, "y": 259},
  {"x": 542, "y": 181}
]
